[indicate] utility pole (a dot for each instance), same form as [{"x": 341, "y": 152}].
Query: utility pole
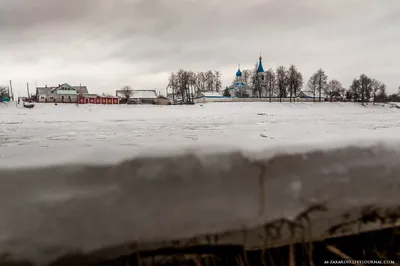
[
  {"x": 27, "y": 89},
  {"x": 11, "y": 91}
]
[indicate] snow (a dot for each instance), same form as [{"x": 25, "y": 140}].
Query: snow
[
  {"x": 48, "y": 129},
  {"x": 110, "y": 190}
]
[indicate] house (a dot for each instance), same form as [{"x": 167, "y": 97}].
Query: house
[
  {"x": 307, "y": 94},
  {"x": 310, "y": 95},
  {"x": 210, "y": 94},
  {"x": 4, "y": 94},
  {"x": 139, "y": 96},
  {"x": 335, "y": 97},
  {"x": 64, "y": 93}
]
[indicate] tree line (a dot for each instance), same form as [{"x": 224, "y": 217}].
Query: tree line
[
  {"x": 288, "y": 83},
  {"x": 186, "y": 84}
]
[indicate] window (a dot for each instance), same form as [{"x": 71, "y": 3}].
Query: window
[{"x": 42, "y": 97}]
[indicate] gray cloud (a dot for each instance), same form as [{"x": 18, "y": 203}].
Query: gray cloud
[{"x": 106, "y": 43}]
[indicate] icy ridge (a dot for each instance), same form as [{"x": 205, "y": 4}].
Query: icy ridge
[{"x": 155, "y": 201}]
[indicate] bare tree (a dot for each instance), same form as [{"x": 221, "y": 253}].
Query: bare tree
[
  {"x": 172, "y": 83},
  {"x": 294, "y": 81},
  {"x": 127, "y": 92},
  {"x": 334, "y": 89},
  {"x": 281, "y": 82},
  {"x": 200, "y": 82},
  {"x": 182, "y": 77},
  {"x": 365, "y": 88},
  {"x": 192, "y": 86},
  {"x": 312, "y": 85},
  {"x": 218, "y": 82},
  {"x": 298, "y": 85},
  {"x": 376, "y": 87},
  {"x": 322, "y": 81},
  {"x": 362, "y": 89},
  {"x": 186, "y": 84},
  {"x": 270, "y": 81},
  {"x": 4, "y": 92},
  {"x": 354, "y": 91},
  {"x": 381, "y": 95},
  {"x": 246, "y": 76},
  {"x": 291, "y": 77},
  {"x": 209, "y": 75}
]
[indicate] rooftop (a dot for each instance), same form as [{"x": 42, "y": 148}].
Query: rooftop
[{"x": 260, "y": 66}]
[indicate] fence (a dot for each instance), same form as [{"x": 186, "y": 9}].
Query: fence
[{"x": 253, "y": 99}]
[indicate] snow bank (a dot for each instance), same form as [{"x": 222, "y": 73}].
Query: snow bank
[{"x": 165, "y": 201}]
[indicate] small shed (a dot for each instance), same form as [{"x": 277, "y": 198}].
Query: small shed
[
  {"x": 144, "y": 96},
  {"x": 96, "y": 99},
  {"x": 139, "y": 96},
  {"x": 210, "y": 94},
  {"x": 308, "y": 94}
]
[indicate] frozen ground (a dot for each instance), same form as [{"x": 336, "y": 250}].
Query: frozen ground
[
  {"x": 50, "y": 128},
  {"x": 196, "y": 197}
]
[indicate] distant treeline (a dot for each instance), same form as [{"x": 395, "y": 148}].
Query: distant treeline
[
  {"x": 288, "y": 82},
  {"x": 281, "y": 82}
]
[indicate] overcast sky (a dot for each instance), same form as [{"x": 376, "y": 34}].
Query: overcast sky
[{"x": 106, "y": 44}]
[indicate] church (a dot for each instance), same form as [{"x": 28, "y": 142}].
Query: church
[{"x": 240, "y": 88}]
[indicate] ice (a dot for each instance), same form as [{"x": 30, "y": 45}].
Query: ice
[
  {"x": 90, "y": 178},
  {"x": 68, "y": 129}
]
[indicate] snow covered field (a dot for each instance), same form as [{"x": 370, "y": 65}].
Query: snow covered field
[
  {"x": 172, "y": 200},
  {"x": 49, "y": 128}
]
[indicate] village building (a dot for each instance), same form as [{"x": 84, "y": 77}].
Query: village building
[
  {"x": 64, "y": 93},
  {"x": 336, "y": 96},
  {"x": 5, "y": 95},
  {"x": 209, "y": 96},
  {"x": 138, "y": 96},
  {"x": 96, "y": 99},
  {"x": 240, "y": 88}
]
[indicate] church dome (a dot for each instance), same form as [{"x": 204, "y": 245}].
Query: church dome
[
  {"x": 260, "y": 66},
  {"x": 238, "y": 73}
]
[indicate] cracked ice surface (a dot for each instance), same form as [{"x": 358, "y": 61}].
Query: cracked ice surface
[{"x": 70, "y": 129}]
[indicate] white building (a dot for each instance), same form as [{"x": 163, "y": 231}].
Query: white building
[
  {"x": 64, "y": 93},
  {"x": 138, "y": 96}
]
